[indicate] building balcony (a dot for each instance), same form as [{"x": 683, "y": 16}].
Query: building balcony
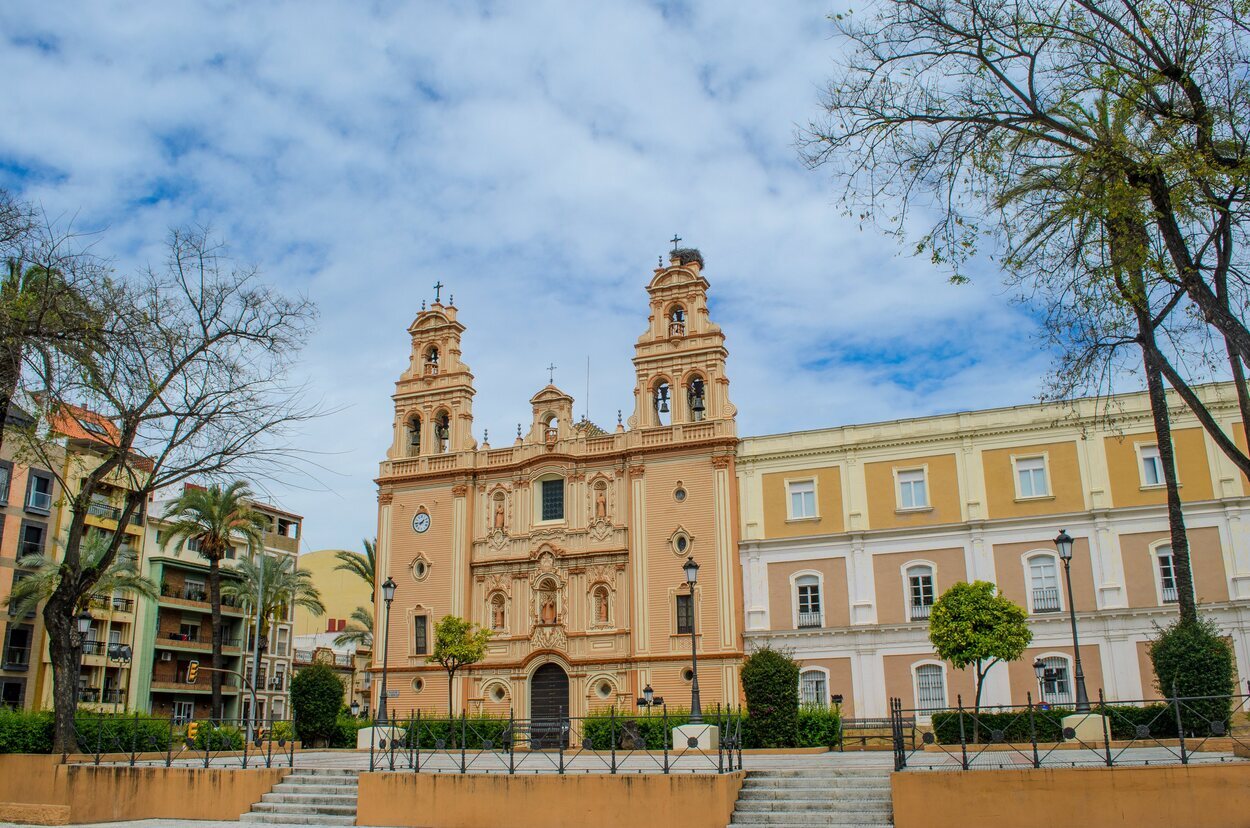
[
  {"x": 286, "y": 544},
  {"x": 107, "y": 516},
  {"x": 111, "y": 603},
  {"x": 1046, "y": 599},
  {"x": 183, "y": 642},
  {"x": 185, "y": 597},
  {"x": 920, "y": 612},
  {"x": 1170, "y": 595},
  {"x": 809, "y": 619},
  {"x": 203, "y": 686},
  {"x": 92, "y": 648}
]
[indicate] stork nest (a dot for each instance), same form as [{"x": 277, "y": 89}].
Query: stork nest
[{"x": 686, "y": 255}]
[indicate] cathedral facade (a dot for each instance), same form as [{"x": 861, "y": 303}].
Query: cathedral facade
[{"x": 569, "y": 543}]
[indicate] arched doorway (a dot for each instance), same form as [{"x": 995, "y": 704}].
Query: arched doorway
[{"x": 549, "y": 706}]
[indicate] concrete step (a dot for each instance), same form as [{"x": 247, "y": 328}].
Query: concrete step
[
  {"x": 300, "y": 810},
  {"x": 278, "y": 795},
  {"x": 870, "y": 823},
  {"x": 325, "y": 772},
  {"x": 827, "y": 818},
  {"x": 766, "y": 807},
  {"x": 766, "y": 773},
  {"x": 813, "y": 784},
  {"x": 841, "y": 798},
  {"x": 297, "y": 819}
]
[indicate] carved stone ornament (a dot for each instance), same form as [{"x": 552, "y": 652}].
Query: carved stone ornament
[
  {"x": 549, "y": 638},
  {"x": 496, "y": 539}
]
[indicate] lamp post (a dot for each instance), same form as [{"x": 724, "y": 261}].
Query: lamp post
[
  {"x": 388, "y": 594},
  {"x": 1063, "y": 543},
  {"x": 649, "y": 699},
  {"x": 355, "y": 709},
  {"x": 260, "y": 604},
  {"x": 692, "y": 579},
  {"x": 84, "y": 626}
]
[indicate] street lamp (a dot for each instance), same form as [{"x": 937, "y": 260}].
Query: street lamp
[
  {"x": 692, "y": 579},
  {"x": 84, "y": 624},
  {"x": 649, "y": 699},
  {"x": 1064, "y": 543},
  {"x": 355, "y": 709},
  {"x": 388, "y": 594}
]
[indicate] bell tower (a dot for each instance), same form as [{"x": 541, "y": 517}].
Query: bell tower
[
  {"x": 434, "y": 396},
  {"x": 679, "y": 362}
]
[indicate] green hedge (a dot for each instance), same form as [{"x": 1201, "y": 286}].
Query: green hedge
[
  {"x": 474, "y": 732},
  {"x": 1123, "y": 721},
  {"x": 770, "y": 682},
  {"x": 22, "y": 732},
  {"x": 345, "y": 734},
  {"x": 121, "y": 734},
  {"x": 213, "y": 737},
  {"x": 817, "y": 727}
]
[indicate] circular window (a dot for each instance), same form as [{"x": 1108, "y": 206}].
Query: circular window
[
  {"x": 687, "y": 674},
  {"x": 682, "y": 543},
  {"x": 420, "y": 569},
  {"x": 418, "y": 685},
  {"x": 604, "y": 690},
  {"x": 679, "y": 494},
  {"x": 498, "y": 693}
]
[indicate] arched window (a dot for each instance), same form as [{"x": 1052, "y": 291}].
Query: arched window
[
  {"x": 431, "y": 360},
  {"x": 676, "y": 321},
  {"x": 660, "y": 399},
  {"x": 600, "y": 605},
  {"x": 696, "y": 398},
  {"x": 1167, "y": 574},
  {"x": 551, "y": 427},
  {"x": 498, "y": 613},
  {"x": 414, "y": 435},
  {"x": 919, "y": 591},
  {"x": 442, "y": 431},
  {"x": 813, "y": 688},
  {"x": 807, "y": 597},
  {"x": 930, "y": 687},
  {"x": 1043, "y": 574},
  {"x": 1056, "y": 684}
]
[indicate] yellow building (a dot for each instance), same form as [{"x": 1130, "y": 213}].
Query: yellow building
[
  {"x": 341, "y": 592},
  {"x": 849, "y": 534},
  {"x": 569, "y": 541}
]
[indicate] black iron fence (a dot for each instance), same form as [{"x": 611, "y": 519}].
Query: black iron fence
[
  {"x": 156, "y": 741},
  {"x": 1180, "y": 730},
  {"x": 608, "y": 743}
]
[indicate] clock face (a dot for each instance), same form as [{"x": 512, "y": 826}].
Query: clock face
[{"x": 421, "y": 522}]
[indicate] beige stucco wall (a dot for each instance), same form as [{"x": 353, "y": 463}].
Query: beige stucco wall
[
  {"x": 1009, "y": 569},
  {"x": 1063, "y": 473},
  {"x": 777, "y": 523},
  {"x": 833, "y": 594},
  {"x": 341, "y": 591},
  {"x": 1206, "y": 559},
  {"x": 949, "y": 568},
  {"x": 1124, "y": 470},
  {"x": 942, "y": 481}
]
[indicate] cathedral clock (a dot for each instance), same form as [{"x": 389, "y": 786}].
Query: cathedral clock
[{"x": 420, "y": 522}]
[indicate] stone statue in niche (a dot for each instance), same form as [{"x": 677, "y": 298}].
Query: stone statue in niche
[
  {"x": 499, "y": 516},
  {"x": 497, "y": 614},
  {"x": 601, "y": 503},
  {"x": 548, "y": 613},
  {"x": 601, "y": 606}
]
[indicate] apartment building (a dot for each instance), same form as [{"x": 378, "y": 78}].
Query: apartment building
[
  {"x": 850, "y": 534},
  {"x": 176, "y": 629}
]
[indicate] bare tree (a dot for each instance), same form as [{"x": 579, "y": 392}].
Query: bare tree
[
  {"x": 1022, "y": 124},
  {"x": 194, "y": 379}
]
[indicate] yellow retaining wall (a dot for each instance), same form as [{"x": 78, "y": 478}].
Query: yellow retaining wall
[
  {"x": 547, "y": 800},
  {"x": 1193, "y": 796},
  {"x": 42, "y": 791}
]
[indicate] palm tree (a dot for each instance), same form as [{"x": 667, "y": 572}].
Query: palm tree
[
  {"x": 360, "y": 565},
  {"x": 359, "y": 633},
  {"x": 217, "y": 518},
  {"x": 283, "y": 586},
  {"x": 45, "y": 574}
]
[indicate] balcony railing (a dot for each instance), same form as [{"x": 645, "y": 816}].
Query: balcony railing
[
  {"x": 921, "y": 612},
  {"x": 1046, "y": 599},
  {"x": 809, "y": 619},
  {"x": 106, "y": 602},
  {"x": 93, "y": 647},
  {"x": 89, "y": 694},
  {"x": 113, "y": 695},
  {"x": 113, "y": 513},
  {"x": 16, "y": 658},
  {"x": 277, "y": 684},
  {"x": 190, "y": 593},
  {"x": 1170, "y": 595},
  {"x": 205, "y": 640}
]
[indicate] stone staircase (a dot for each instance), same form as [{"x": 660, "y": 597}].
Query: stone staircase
[
  {"x": 309, "y": 796},
  {"x": 815, "y": 796}
]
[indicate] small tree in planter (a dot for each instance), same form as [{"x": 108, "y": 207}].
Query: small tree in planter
[
  {"x": 457, "y": 645},
  {"x": 971, "y": 625},
  {"x": 770, "y": 681},
  {"x": 316, "y": 699}
]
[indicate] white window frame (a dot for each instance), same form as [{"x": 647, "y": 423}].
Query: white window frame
[
  {"x": 183, "y": 717},
  {"x": 915, "y": 685},
  {"x": 1026, "y": 564},
  {"x": 794, "y": 595},
  {"x": 823, "y": 672},
  {"x": 1044, "y": 457},
  {"x": 536, "y": 487},
  {"x": 903, "y": 571},
  {"x": 1069, "y": 662},
  {"x": 799, "y": 481},
  {"x": 1156, "y": 552},
  {"x": 1138, "y": 449},
  {"x": 898, "y": 489}
]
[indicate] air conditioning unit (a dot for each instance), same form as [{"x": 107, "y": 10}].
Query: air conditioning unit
[{"x": 167, "y": 656}]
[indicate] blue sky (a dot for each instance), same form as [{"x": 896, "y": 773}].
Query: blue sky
[{"x": 532, "y": 156}]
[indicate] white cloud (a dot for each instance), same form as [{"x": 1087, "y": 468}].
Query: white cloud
[{"x": 534, "y": 157}]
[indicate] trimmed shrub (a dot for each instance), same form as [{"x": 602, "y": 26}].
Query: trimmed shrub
[
  {"x": 475, "y": 732},
  {"x": 214, "y": 737},
  {"x": 634, "y": 732},
  {"x": 1014, "y": 727},
  {"x": 770, "y": 680},
  {"x": 25, "y": 732},
  {"x": 316, "y": 699},
  {"x": 121, "y": 734},
  {"x": 345, "y": 730},
  {"x": 818, "y": 727},
  {"x": 1192, "y": 659}
]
